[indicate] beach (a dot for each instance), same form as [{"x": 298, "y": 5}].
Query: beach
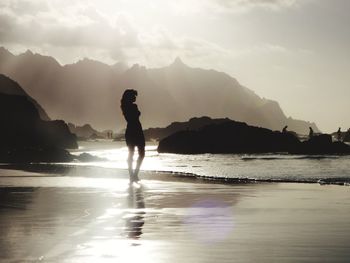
[{"x": 91, "y": 214}]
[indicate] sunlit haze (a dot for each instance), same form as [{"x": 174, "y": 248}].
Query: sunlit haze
[{"x": 293, "y": 51}]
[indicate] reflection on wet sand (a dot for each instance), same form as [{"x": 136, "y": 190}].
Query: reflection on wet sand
[
  {"x": 135, "y": 217},
  {"x": 74, "y": 218}
]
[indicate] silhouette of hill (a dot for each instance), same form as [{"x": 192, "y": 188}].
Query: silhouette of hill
[
  {"x": 89, "y": 92},
  {"x": 238, "y": 137},
  {"x": 10, "y": 87},
  {"x": 24, "y": 136},
  {"x": 86, "y": 132}
]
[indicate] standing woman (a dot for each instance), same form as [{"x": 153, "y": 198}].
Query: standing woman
[{"x": 133, "y": 135}]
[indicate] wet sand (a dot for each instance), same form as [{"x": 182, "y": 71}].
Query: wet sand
[{"x": 92, "y": 215}]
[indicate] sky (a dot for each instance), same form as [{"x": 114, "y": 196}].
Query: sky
[{"x": 296, "y": 52}]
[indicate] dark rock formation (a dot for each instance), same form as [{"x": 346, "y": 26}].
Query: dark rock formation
[
  {"x": 322, "y": 144},
  {"x": 347, "y": 136},
  {"x": 192, "y": 124},
  {"x": 25, "y": 137},
  {"x": 238, "y": 137},
  {"x": 25, "y": 154},
  {"x": 21, "y": 125}
]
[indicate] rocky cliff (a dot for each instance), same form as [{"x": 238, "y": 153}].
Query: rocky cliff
[{"x": 24, "y": 136}]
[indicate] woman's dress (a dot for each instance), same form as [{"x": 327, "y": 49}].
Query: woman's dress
[{"x": 133, "y": 134}]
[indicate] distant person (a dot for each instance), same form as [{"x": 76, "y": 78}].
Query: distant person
[
  {"x": 339, "y": 134},
  {"x": 311, "y": 132},
  {"x": 284, "y": 130},
  {"x": 133, "y": 135}
]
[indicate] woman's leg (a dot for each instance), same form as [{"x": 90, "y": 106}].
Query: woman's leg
[
  {"x": 141, "y": 150},
  {"x": 130, "y": 161}
]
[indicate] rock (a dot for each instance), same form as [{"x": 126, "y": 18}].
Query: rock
[
  {"x": 58, "y": 131},
  {"x": 34, "y": 154},
  {"x": 25, "y": 137},
  {"x": 238, "y": 137},
  {"x": 21, "y": 126},
  {"x": 228, "y": 137},
  {"x": 322, "y": 144}
]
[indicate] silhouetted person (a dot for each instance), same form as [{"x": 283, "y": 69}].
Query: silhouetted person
[
  {"x": 339, "y": 134},
  {"x": 284, "y": 130},
  {"x": 311, "y": 132},
  {"x": 133, "y": 135}
]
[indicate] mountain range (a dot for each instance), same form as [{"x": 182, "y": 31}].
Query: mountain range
[{"x": 90, "y": 91}]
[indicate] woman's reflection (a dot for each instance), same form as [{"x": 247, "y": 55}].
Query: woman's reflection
[{"x": 136, "y": 213}]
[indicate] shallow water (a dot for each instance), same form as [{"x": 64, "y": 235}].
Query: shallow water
[
  {"x": 265, "y": 167},
  {"x": 79, "y": 219}
]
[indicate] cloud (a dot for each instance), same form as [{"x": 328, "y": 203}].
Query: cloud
[
  {"x": 217, "y": 7},
  {"x": 270, "y": 4},
  {"x": 80, "y": 28},
  {"x": 22, "y": 7}
]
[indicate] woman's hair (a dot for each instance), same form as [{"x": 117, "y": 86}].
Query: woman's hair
[{"x": 128, "y": 96}]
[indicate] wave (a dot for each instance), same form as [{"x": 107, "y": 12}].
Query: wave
[
  {"x": 344, "y": 181},
  {"x": 59, "y": 170}
]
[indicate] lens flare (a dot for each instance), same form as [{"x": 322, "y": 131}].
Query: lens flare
[{"x": 210, "y": 221}]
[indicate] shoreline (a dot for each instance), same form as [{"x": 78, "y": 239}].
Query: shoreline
[{"x": 62, "y": 168}]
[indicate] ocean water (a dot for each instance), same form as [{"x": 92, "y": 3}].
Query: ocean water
[{"x": 227, "y": 167}]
